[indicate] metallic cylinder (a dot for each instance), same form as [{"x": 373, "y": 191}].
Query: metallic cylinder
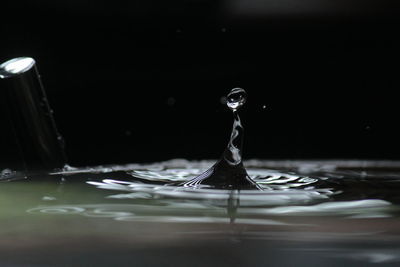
[{"x": 27, "y": 107}]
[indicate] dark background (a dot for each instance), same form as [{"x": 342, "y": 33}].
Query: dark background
[{"x": 141, "y": 81}]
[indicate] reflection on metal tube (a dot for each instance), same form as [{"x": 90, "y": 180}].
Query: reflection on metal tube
[{"x": 26, "y": 105}]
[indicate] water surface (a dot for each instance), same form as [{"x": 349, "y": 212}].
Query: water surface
[{"x": 331, "y": 213}]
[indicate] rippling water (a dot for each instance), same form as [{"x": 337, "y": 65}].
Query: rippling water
[
  {"x": 284, "y": 193},
  {"x": 341, "y": 213}
]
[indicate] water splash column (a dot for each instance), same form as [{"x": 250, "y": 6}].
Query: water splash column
[
  {"x": 229, "y": 172},
  {"x": 26, "y": 105}
]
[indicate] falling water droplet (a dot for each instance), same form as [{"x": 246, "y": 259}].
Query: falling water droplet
[{"x": 236, "y": 98}]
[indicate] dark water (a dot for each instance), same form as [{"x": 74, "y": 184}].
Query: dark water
[{"x": 307, "y": 213}]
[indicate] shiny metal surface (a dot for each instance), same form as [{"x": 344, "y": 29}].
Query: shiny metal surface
[{"x": 27, "y": 107}]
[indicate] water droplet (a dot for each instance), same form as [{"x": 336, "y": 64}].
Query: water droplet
[
  {"x": 236, "y": 98},
  {"x": 264, "y": 106}
]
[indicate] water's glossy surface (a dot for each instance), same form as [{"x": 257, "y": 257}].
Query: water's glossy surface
[{"x": 307, "y": 213}]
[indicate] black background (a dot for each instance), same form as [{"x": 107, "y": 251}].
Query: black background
[{"x": 141, "y": 81}]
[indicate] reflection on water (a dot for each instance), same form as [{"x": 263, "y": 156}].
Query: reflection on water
[
  {"x": 302, "y": 216},
  {"x": 155, "y": 194},
  {"x": 169, "y": 211},
  {"x": 365, "y": 255}
]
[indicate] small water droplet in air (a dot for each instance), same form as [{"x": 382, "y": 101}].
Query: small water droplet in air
[
  {"x": 223, "y": 30},
  {"x": 128, "y": 133},
  {"x": 264, "y": 106},
  {"x": 236, "y": 98}
]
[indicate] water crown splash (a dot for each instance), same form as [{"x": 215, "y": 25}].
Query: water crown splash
[{"x": 229, "y": 172}]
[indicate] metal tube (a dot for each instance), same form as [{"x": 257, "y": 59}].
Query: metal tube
[{"x": 26, "y": 104}]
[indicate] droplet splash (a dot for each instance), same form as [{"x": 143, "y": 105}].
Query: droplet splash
[{"x": 229, "y": 172}]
